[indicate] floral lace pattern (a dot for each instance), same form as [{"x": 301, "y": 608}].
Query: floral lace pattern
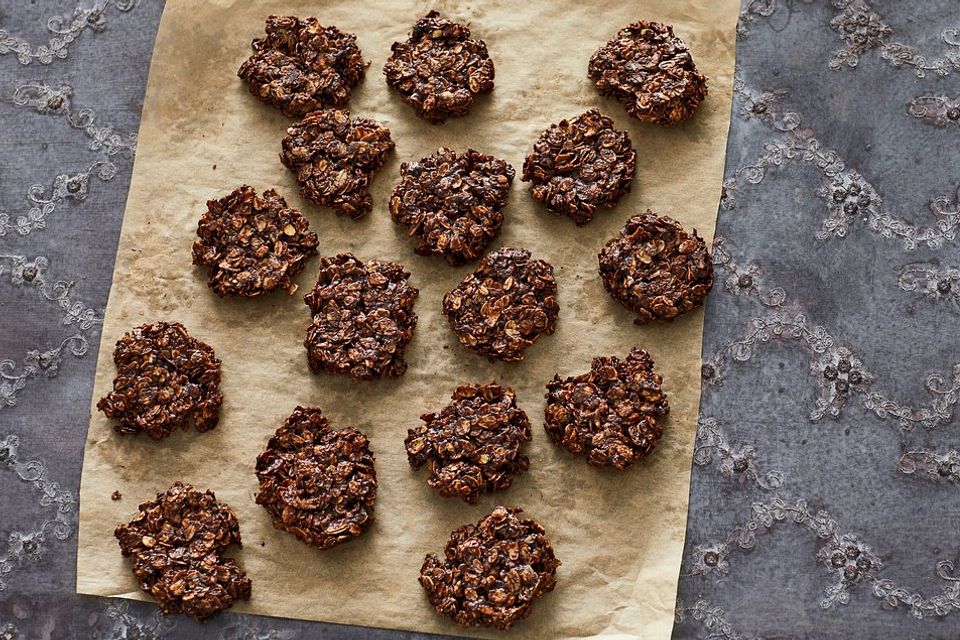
[
  {"x": 56, "y": 507},
  {"x": 940, "y": 284},
  {"x": 863, "y": 30},
  {"x": 711, "y": 617},
  {"x": 74, "y": 313},
  {"x": 936, "y": 110},
  {"x": 735, "y": 461},
  {"x": 64, "y": 31},
  {"x": 847, "y": 561},
  {"x": 103, "y": 140},
  {"x": 931, "y": 465},
  {"x": 850, "y": 200},
  {"x": 838, "y": 373},
  {"x": 59, "y": 102}
]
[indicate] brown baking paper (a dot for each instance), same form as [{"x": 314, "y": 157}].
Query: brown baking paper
[{"x": 618, "y": 534}]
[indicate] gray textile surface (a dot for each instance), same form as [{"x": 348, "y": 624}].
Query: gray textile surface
[{"x": 824, "y": 498}]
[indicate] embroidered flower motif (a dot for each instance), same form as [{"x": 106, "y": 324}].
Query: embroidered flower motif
[
  {"x": 860, "y": 27},
  {"x": 741, "y": 280},
  {"x": 934, "y": 282},
  {"x": 741, "y": 464},
  {"x": 747, "y": 280},
  {"x": 28, "y": 544},
  {"x": 849, "y": 198},
  {"x": 23, "y": 271},
  {"x": 934, "y": 466},
  {"x": 124, "y": 625},
  {"x": 711, "y": 371},
  {"x": 851, "y": 562},
  {"x": 936, "y": 110},
  {"x": 43, "y": 98},
  {"x": 727, "y": 199},
  {"x": 75, "y": 187},
  {"x": 738, "y": 463},
  {"x": 710, "y": 559},
  {"x": 839, "y": 374},
  {"x": 752, "y": 9},
  {"x": 46, "y": 361}
]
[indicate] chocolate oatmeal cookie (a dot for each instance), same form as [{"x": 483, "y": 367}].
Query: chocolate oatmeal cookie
[
  {"x": 492, "y": 571},
  {"x": 452, "y": 203},
  {"x": 610, "y": 416},
  {"x": 650, "y": 72},
  {"x": 440, "y": 69},
  {"x": 505, "y": 305},
  {"x": 655, "y": 268},
  {"x": 363, "y": 318},
  {"x": 302, "y": 66},
  {"x": 315, "y": 482},
  {"x": 177, "y": 544},
  {"x": 579, "y": 165},
  {"x": 251, "y": 244},
  {"x": 335, "y": 158},
  {"x": 474, "y": 444},
  {"x": 165, "y": 379}
]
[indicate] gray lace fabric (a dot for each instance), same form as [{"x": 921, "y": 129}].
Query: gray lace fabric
[
  {"x": 824, "y": 494},
  {"x": 824, "y": 497}
]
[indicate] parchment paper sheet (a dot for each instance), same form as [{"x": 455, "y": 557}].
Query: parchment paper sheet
[{"x": 619, "y": 535}]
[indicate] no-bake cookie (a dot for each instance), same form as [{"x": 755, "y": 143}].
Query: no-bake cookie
[
  {"x": 165, "y": 380},
  {"x": 505, "y": 305},
  {"x": 579, "y": 165},
  {"x": 316, "y": 482},
  {"x": 440, "y": 69},
  {"x": 334, "y": 158},
  {"x": 252, "y": 244},
  {"x": 474, "y": 445},
  {"x": 177, "y": 544},
  {"x": 655, "y": 268},
  {"x": 492, "y": 572},
  {"x": 650, "y": 72},
  {"x": 452, "y": 203},
  {"x": 363, "y": 318},
  {"x": 302, "y": 66},
  {"x": 611, "y": 415}
]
